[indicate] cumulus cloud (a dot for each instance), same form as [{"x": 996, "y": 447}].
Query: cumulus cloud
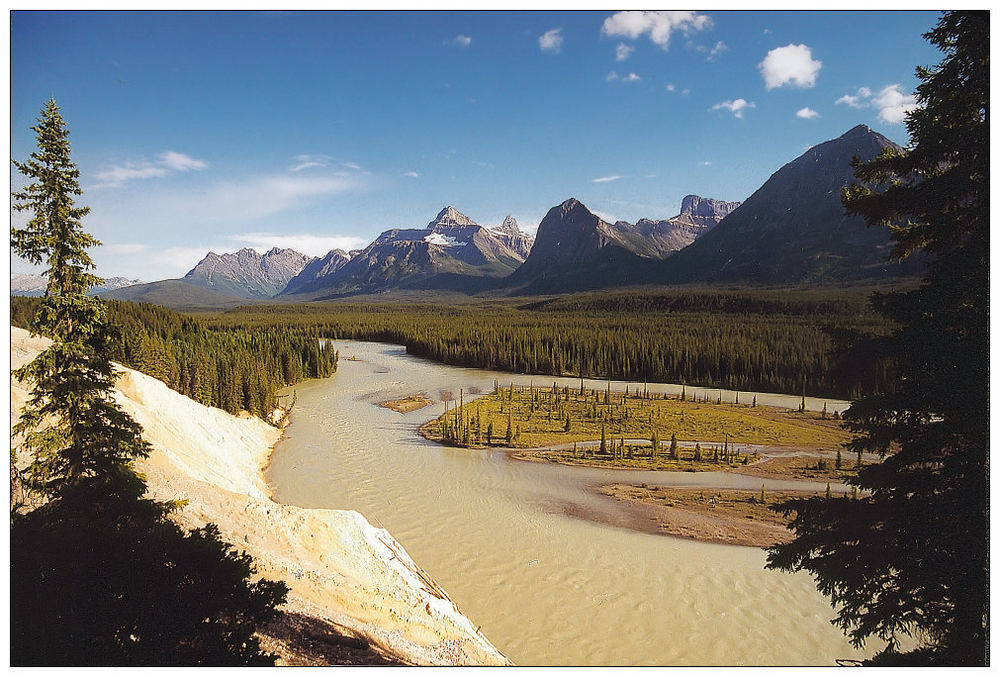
[
  {"x": 670, "y": 87},
  {"x": 166, "y": 163},
  {"x": 891, "y": 101},
  {"x": 631, "y": 77},
  {"x": 893, "y": 104},
  {"x": 311, "y": 245},
  {"x": 657, "y": 25},
  {"x": 806, "y": 113},
  {"x": 412, "y": 175},
  {"x": 606, "y": 179},
  {"x": 459, "y": 41},
  {"x": 736, "y": 106},
  {"x": 789, "y": 65},
  {"x": 705, "y": 163},
  {"x": 551, "y": 41},
  {"x": 623, "y": 51}
]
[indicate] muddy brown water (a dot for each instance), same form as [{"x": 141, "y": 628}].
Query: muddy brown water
[{"x": 527, "y": 550}]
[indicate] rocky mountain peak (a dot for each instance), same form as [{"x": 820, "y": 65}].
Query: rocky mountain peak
[
  {"x": 246, "y": 273},
  {"x": 509, "y": 225},
  {"x": 449, "y": 217}
]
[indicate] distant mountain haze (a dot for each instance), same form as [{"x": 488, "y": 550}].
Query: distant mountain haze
[{"x": 34, "y": 285}]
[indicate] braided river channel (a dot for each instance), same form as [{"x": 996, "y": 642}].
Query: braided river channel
[{"x": 532, "y": 552}]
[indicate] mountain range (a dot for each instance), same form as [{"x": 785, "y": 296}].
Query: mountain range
[
  {"x": 451, "y": 252},
  {"x": 247, "y": 273},
  {"x": 34, "y": 285},
  {"x": 576, "y": 249},
  {"x": 792, "y": 230}
]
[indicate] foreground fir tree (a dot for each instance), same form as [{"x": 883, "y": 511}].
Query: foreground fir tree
[
  {"x": 909, "y": 556},
  {"x": 100, "y": 574}
]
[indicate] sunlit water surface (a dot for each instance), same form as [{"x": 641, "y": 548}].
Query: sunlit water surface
[{"x": 505, "y": 539}]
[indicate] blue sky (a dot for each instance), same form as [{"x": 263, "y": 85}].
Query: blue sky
[{"x": 202, "y": 130}]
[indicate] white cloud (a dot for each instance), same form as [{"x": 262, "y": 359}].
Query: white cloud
[
  {"x": 705, "y": 163},
  {"x": 605, "y": 179},
  {"x": 806, "y": 113},
  {"x": 351, "y": 165},
  {"x": 650, "y": 176},
  {"x": 623, "y": 51},
  {"x": 852, "y": 101},
  {"x": 120, "y": 174},
  {"x": 167, "y": 162},
  {"x": 658, "y": 25},
  {"x": 459, "y": 41},
  {"x": 180, "y": 162},
  {"x": 713, "y": 51},
  {"x": 311, "y": 245},
  {"x": 258, "y": 197},
  {"x": 670, "y": 87},
  {"x": 893, "y": 104},
  {"x": 412, "y": 175},
  {"x": 612, "y": 76},
  {"x": 736, "y": 106},
  {"x": 789, "y": 65},
  {"x": 309, "y": 161},
  {"x": 551, "y": 41},
  {"x": 685, "y": 91}
]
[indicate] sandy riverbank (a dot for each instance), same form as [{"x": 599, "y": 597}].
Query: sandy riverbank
[
  {"x": 728, "y": 516},
  {"x": 344, "y": 574}
]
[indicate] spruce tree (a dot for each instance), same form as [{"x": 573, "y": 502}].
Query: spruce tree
[
  {"x": 71, "y": 428},
  {"x": 103, "y": 577},
  {"x": 909, "y": 556}
]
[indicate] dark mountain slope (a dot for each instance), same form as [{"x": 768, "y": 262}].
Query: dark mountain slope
[{"x": 793, "y": 229}]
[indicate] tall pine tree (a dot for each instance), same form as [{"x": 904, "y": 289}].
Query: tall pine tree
[
  {"x": 910, "y": 556},
  {"x": 103, "y": 576}
]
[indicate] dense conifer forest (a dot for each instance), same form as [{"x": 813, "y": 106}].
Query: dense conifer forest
[
  {"x": 232, "y": 369},
  {"x": 766, "y": 340}
]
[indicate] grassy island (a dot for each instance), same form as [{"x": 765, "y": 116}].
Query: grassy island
[{"x": 635, "y": 429}]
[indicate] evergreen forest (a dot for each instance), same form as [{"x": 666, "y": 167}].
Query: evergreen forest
[
  {"x": 759, "y": 340},
  {"x": 233, "y": 369}
]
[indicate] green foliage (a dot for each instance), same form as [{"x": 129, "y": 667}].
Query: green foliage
[
  {"x": 774, "y": 341},
  {"x": 70, "y": 426},
  {"x": 910, "y": 554},
  {"x": 233, "y": 368}
]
